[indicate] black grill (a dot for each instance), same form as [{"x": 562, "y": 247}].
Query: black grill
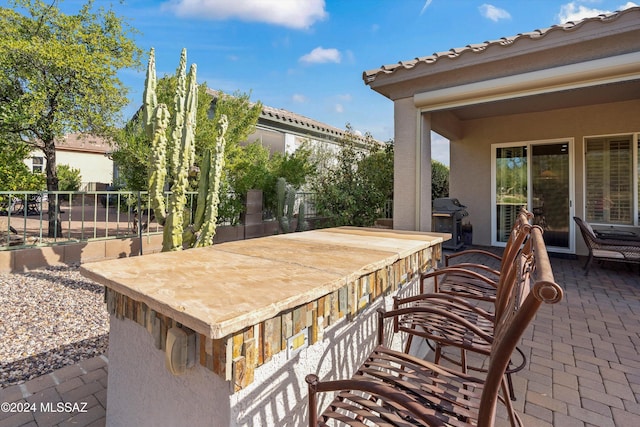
[{"x": 447, "y": 214}]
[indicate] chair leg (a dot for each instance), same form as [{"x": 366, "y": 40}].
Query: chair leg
[
  {"x": 588, "y": 264},
  {"x": 514, "y": 419},
  {"x": 512, "y": 392}
]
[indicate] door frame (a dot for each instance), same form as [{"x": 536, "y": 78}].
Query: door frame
[{"x": 572, "y": 193}]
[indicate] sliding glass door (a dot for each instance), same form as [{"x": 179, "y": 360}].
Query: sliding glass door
[
  {"x": 511, "y": 169},
  {"x": 539, "y": 177}
]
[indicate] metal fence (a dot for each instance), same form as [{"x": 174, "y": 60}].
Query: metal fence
[
  {"x": 387, "y": 212},
  {"x": 95, "y": 215},
  {"x": 81, "y": 216},
  {"x": 309, "y": 202}
]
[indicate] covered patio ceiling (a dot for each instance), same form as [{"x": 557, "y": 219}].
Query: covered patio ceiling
[
  {"x": 602, "y": 94},
  {"x": 590, "y": 62}
]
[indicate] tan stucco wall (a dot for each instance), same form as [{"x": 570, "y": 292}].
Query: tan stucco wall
[
  {"x": 94, "y": 167},
  {"x": 471, "y": 155},
  {"x": 404, "y": 165}
]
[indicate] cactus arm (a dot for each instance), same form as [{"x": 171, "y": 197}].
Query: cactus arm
[
  {"x": 172, "y": 240},
  {"x": 158, "y": 171},
  {"x": 213, "y": 194},
  {"x": 149, "y": 97},
  {"x": 203, "y": 187},
  {"x": 179, "y": 104},
  {"x": 286, "y": 198},
  {"x": 194, "y": 113}
]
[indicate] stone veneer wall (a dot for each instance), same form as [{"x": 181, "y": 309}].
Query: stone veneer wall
[
  {"x": 236, "y": 357},
  {"x": 248, "y": 378}
]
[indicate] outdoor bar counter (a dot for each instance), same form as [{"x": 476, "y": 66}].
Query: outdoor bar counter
[{"x": 224, "y": 335}]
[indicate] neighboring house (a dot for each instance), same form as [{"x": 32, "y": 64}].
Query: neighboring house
[
  {"x": 284, "y": 132},
  {"x": 89, "y": 154},
  {"x": 549, "y": 119}
]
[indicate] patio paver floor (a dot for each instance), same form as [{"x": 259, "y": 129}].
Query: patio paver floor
[{"x": 583, "y": 361}]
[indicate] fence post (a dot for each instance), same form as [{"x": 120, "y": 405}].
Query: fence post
[{"x": 139, "y": 219}]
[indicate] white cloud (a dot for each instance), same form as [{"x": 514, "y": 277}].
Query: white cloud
[
  {"x": 426, "y": 5},
  {"x": 288, "y": 13},
  {"x": 338, "y": 108},
  {"x": 628, "y": 5},
  {"x": 494, "y": 13},
  {"x": 321, "y": 55},
  {"x": 574, "y": 11},
  {"x": 299, "y": 98},
  {"x": 345, "y": 97}
]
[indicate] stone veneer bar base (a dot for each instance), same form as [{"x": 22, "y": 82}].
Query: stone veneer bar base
[{"x": 254, "y": 375}]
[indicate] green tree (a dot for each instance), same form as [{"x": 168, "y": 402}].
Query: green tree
[
  {"x": 14, "y": 173},
  {"x": 376, "y": 171},
  {"x": 439, "y": 180},
  {"x": 69, "y": 178},
  {"x": 132, "y": 156},
  {"x": 350, "y": 192},
  {"x": 250, "y": 169},
  {"x": 296, "y": 168},
  {"x": 60, "y": 74}
]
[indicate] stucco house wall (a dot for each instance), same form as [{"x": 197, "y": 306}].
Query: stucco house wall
[
  {"x": 563, "y": 83},
  {"x": 88, "y": 154},
  {"x": 472, "y": 153},
  {"x": 94, "y": 167}
]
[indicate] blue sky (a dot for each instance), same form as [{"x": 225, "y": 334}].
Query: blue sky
[{"x": 307, "y": 56}]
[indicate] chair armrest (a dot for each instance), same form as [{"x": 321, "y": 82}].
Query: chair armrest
[
  {"x": 459, "y": 271},
  {"x": 441, "y": 299},
  {"x": 470, "y": 266},
  {"x": 442, "y": 322},
  {"x": 470, "y": 252}
]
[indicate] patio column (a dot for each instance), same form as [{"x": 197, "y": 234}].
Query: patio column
[
  {"x": 412, "y": 167},
  {"x": 423, "y": 174}
]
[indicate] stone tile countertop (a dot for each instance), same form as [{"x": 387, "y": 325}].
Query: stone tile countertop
[{"x": 223, "y": 288}]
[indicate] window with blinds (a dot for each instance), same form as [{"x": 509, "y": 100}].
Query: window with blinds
[{"x": 609, "y": 180}]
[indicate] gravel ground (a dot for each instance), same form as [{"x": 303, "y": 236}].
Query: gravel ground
[{"x": 49, "y": 318}]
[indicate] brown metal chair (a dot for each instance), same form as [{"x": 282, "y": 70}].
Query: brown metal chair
[
  {"x": 472, "y": 285},
  {"x": 483, "y": 284},
  {"x": 392, "y": 388},
  {"x": 610, "y": 249},
  {"x": 479, "y": 324}
]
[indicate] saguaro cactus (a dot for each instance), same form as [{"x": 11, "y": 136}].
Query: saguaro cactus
[{"x": 177, "y": 154}]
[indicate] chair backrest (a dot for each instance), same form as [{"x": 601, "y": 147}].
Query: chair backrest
[
  {"x": 587, "y": 233},
  {"x": 529, "y": 284},
  {"x": 515, "y": 240},
  {"x": 519, "y": 243},
  {"x": 533, "y": 285}
]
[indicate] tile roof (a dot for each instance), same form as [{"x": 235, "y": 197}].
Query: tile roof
[
  {"x": 478, "y": 48},
  {"x": 302, "y": 124},
  {"x": 84, "y": 143}
]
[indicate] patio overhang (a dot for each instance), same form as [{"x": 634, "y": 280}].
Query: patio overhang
[{"x": 590, "y": 82}]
